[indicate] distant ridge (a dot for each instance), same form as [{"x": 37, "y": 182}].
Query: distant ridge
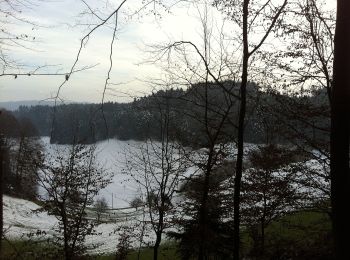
[{"x": 14, "y": 105}]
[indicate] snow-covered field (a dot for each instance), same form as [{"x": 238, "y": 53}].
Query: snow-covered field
[
  {"x": 23, "y": 217},
  {"x": 111, "y": 155}
]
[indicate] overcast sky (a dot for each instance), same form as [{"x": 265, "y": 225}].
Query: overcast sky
[{"x": 57, "y": 41}]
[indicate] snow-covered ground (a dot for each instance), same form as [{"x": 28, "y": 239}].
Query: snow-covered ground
[
  {"x": 23, "y": 217},
  {"x": 111, "y": 154}
]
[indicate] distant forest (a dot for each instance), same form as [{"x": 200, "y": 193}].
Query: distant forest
[{"x": 139, "y": 120}]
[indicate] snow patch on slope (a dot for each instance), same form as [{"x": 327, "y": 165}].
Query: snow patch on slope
[{"x": 22, "y": 217}]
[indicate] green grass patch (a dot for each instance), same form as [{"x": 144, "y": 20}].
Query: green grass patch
[
  {"x": 26, "y": 249},
  {"x": 167, "y": 251},
  {"x": 300, "y": 226},
  {"x": 298, "y": 235}
]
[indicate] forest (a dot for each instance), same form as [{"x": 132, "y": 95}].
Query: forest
[
  {"x": 139, "y": 120},
  {"x": 238, "y": 150}
]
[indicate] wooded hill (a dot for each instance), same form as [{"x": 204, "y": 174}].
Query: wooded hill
[{"x": 271, "y": 116}]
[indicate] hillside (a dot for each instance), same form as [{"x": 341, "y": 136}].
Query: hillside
[{"x": 25, "y": 220}]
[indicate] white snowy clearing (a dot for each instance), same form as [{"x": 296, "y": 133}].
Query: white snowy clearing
[
  {"x": 111, "y": 155},
  {"x": 22, "y": 217}
]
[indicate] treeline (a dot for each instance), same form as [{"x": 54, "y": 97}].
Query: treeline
[
  {"x": 21, "y": 152},
  {"x": 139, "y": 119}
]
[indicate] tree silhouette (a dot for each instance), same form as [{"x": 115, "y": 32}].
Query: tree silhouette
[{"x": 340, "y": 130}]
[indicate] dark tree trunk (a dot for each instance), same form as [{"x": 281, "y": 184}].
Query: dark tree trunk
[
  {"x": 156, "y": 246},
  {"x": 203, "y": 212},
  {"x": 67, "y": 249},
  {"x": 263, "y": 220},
  {"x": 340, "y": 102},
  {"x": 262, "y": 249},
  {"x": 242, "y": 112},
  {"x": 159, "y": 230},
  {"x": 1, "y": 191}
]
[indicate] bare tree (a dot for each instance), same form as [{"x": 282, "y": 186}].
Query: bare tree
[
  {"x": 2, "y": 172},
  {"x": 124, "y": 244},
  {"x": 254, "y": 15},
  {"x": 101, "y": 207},
  {"x": 8, "y": 130},
  {"x": 136, "y": 202},
  {"x": 157, "y": 166},
  {"x": 11, "y": 13},
  {"x": 304, "y": 64},
  {"x": 71, "y": 182},
  {"x": 326, "y": 43},
  {"x": 27, "y": 156},
  {"x": 206, "y": 70}
]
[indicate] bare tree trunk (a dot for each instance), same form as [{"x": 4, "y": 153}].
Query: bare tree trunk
[
  {"x": 67, "y": 251},
  {"x": 156, "y": 245},
  {"x": 66, "y": 247},
  {"x": 240, "y": 140},
  {"x": 262, "y": 249},
  {"x": 203, "y": 209},
  {"x": 340, "y": 175},
  {"x": 263, "y": 220},
  {"x": 141, "y": 235},
  {"x": 159, "y": 231},
  {"x": 1, "y": 192}
]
